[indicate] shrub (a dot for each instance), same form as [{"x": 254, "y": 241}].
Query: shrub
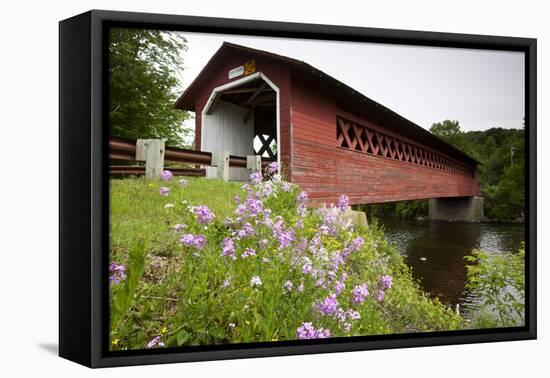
[{"x": 500, "y": 281}]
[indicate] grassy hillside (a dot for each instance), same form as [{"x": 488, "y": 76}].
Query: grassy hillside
[{"x": 193, "y": 265}]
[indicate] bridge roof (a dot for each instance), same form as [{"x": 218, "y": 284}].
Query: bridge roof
[{"x": 389, "y": 119}]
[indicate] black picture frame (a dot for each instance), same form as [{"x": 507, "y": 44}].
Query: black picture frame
[{"x": 83, "y": 182}]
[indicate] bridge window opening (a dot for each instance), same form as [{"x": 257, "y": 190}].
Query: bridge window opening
[
  {"x": 242, "y": 120},
  {"x": 265, "y": 146}
]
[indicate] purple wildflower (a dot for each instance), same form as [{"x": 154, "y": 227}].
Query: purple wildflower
[
  {"x": 339, "y": 286},
  {"x": 166, "y": 175},
  {"x": 245, "y": 231},
  {"x": 302, "y": 197},
  {"x": 117, "y": 273},
  {"x": 240, "y": 210},
  {"x": 306, "y": 332},
  {"x": 359, "y": 293},
  {"x": 199, "y": 241},
  {"x": 329, "y": 219},
  {"x": 228, "y": 248},
  {"x": 343, "y": 203},
  {"x": 380, "y": 295},
  {"x": 226, "y": 283},
  {"x": 386, "y": 282},
  {"x": 272, "y": 168},
  {"x": 329, "y": 305},
  {"x": 256, "y": 177},
  {"x": 248, "y": 252},
  {"x": 187, "y": 240},
  {"x": 322, "y": 333},
  {"x": 164, "y": 191},
  {"x": 268, "y": 222},
  {"x": 178, "y": 227},
  {"x": 248, "y": 189},
  {"x": 155, "y": 341},
  {"x": 267, "y": 189},
  {"x": 277, "y": 227},
  {"x": 253, "y": 205},
  {"x": 307, "y": 267},
  {"x": 320, "y": 282},
  {"x": 288, "y": 286},
  {"x": 255, "y": 281},
  {"x": 301, "y": 246},
  {"x": 286, "y": 186},
  {"x": 182, "y": 182},
  {"x": 285, "y": 238},
  {"x": 204, "y": 215},
  {"x": 337, "y": 260},
  {"x": 357, "y": 243},
  {"x": 195, "y": 241},
  {"x": 324, "y": 229}
]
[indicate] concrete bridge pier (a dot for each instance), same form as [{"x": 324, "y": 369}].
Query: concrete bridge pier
[{"x": 460, "y": 209}]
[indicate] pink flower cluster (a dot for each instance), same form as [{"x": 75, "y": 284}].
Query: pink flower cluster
[{"x": 195, "y": 241}]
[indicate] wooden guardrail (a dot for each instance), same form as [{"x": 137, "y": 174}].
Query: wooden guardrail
[{"x": 154, "y": 154}]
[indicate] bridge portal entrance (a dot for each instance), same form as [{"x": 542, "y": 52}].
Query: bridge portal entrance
[{"x": 241, "y": 118}]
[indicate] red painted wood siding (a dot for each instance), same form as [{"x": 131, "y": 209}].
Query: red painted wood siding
[
  {"x": 277, "y": 73},
  {"x": 327, "y": 171}
]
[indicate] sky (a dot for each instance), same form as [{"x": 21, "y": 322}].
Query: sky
[{"x": 479, "y": 88}]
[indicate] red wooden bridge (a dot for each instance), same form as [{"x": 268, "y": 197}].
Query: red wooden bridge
[{"x": 329, "y": 138}]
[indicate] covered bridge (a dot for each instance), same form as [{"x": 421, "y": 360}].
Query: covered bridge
[{"x": 328, "y": 138}]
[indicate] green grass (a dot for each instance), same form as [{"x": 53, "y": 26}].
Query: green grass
[{"x": 137, "y": 209}]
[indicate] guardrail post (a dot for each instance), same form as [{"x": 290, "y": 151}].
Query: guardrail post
[
  {"x": 254, "y": 163},
  {"x": 220, "y": 160},
  {"x": 152, "y": 151}
]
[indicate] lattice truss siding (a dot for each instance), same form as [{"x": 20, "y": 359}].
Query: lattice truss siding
[{"x": 360, "y": 138}]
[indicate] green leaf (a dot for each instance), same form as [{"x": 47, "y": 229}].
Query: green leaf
[
  {"x": 182, "y": 337},
  {"x": 217, "y": 332}
]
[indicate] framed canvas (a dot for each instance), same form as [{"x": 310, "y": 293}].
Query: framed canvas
[{"x": 234, "y": 188}]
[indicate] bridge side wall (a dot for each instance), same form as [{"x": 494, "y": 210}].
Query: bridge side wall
[{"x": 327, "y": 171}]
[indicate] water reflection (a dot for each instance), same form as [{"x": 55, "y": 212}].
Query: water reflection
[{"x": 435, "y": 251}]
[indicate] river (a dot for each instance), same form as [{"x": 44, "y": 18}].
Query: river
[{"x": 435, "y": 251}]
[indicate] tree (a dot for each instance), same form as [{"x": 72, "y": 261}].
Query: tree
[
  {"x": 143, "y": 84},
  {"x": 449, "y": 131}
]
